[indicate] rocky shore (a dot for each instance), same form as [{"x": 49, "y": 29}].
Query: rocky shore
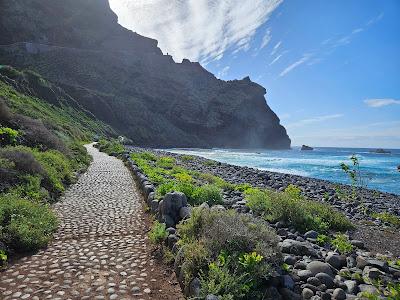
[{"x": 312, "y": 270}]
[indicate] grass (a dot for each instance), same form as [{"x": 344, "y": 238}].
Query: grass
[{"x": 292, "y": 208}]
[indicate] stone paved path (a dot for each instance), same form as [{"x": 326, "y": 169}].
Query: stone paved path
[{"x": 100, "y": 250}]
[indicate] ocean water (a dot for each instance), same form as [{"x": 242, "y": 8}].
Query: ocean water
[{"x": 379, "y": 170}]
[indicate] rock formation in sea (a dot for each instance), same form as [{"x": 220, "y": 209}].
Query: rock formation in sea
[
  {"x": 306, "y": 148},
  {"x": 124, "y": 79}
]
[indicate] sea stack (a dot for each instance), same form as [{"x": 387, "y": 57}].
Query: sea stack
[{"x": 306, "y": 148}]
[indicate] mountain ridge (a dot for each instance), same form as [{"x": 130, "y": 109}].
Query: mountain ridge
[{"x": 124, "y": 79}]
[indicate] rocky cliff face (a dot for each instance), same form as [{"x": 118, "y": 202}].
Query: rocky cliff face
[{"x": 124, "y": 79}]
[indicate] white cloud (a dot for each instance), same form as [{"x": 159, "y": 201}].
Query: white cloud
[
  {"x": 200, "y": 30},
  {"x": 294, "y": 65},
  {"x": 276, "y": 59},
  {"x": 266, "y": 38},
  {"x": 314, "y": 120},
  {"x": 380, "y": 102},
  {"x": 223, "y": 72},
  {"x": 276, "y": 47}
]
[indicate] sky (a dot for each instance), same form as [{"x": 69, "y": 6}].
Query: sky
[{"x": 331, "y": 68}]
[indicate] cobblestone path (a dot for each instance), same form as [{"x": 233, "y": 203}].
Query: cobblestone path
[{"x": 100, "y": 250}]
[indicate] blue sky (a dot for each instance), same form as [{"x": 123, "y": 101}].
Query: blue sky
[{"x": 331, "y": 68}]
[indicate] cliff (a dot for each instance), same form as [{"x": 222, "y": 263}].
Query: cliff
[{"x": 124, "y": 80}]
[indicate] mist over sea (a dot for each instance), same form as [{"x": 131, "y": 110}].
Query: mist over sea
[{"x": 379, "y": 170}]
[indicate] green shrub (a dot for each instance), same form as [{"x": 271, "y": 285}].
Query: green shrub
[
  {"x": 158, "y": 233},
  {"x": 231, "y": 252},
  {"x": 187, "y": 157},
  {"x": 206, "y": 193},
  {"x": 52, "y": 165},
  {"x": 323, "y": 239},
  {"x": 8, "y": 136},
  {"x": 258, "y": 201},
  {"x": 164, "y": 188},
  {"x": 217, "y": 181},
  {"x": 148, "y": 156},
  {"x": 388, "y": 218},
  {"x": 342, "y": 244},
  {"x": 25, "y": 225},
  {"x": 210, "y": 163},
  {"x": 111, "y": 146},
  {"x": 57, "y": 168},
  {"x": 30, "y": 189},
  {"x": 243, "y": 187},
  {"x": 292, "y": 208},
  {"x": 3, "y": 258},
  {"x": 165, "y": 162}
]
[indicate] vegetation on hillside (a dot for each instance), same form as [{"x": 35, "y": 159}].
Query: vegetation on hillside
[{"x": 41, "y": 153}]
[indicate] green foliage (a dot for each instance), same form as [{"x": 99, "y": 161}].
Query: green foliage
[
  {"x": 25, "y": 225},
  {"x": 355, "y": 175},
  {"x": 65, "y": 120},
  {"x": 158, "y": 233},
  {"x": 164, "y": 188},
  {"x": 232, "y": 252},
  {"x": 30, "y": 189},
  {"x": 388, "y": 218},
  {"x": 3, "y": 258},
  {"x": 207, "y": 193},
  {"x": 6, "y": 164},
  {"x": 323, "y": 239},
  {"x": 243, "y": 187},
  {"x": 258, "y": 201},
  {"x": 210, "y": 163},
  {"x": 285, "y": 267},
  {"x": 111, "y": 146},
  {"x": 57, "y": 166},
  {"x": 165, "y": 162},
  {"x": 291, "y": 207},
  {"x": 217, "y": 181},
  {"x": 187, "y": 157},
  {"x": 342, "y": 244},
  {"x": 8, "y": 136}
]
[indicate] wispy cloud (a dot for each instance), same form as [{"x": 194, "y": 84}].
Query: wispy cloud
[
  {"x": 266, "y": 38},
  {"x": 380, "y": 102},
  {"x": 276, "y": 47},
  {"x": 200, "y": 30},
  {"x": 294, "y": 65},
  {"x": 328, "y": 46},
  {"x": 375, "y": 19},
  {"x": 276, "y": 59},
  {"x": 314, "y": 120},
  {"x": 223, "y": 72}
]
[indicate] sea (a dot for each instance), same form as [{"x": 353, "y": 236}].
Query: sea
[{"x": 379, "y": 171}]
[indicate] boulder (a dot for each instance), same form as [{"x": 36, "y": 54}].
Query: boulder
[
  {"x": 319, "y": 267},
  {"x": 312, "y": 234},
  {"x": 339, "y": 294},
  {"x": 307, "y": 293},
  {"x": 351, "y": 286},
  {"x": 336, "y": 261},
  {"x": 325, "y": 279},
  {"x": 298, "y": 248},
  {"x": 171, "y": 206}
]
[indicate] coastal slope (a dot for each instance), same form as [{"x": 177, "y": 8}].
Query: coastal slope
[{"x": 124, "y": 79}]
